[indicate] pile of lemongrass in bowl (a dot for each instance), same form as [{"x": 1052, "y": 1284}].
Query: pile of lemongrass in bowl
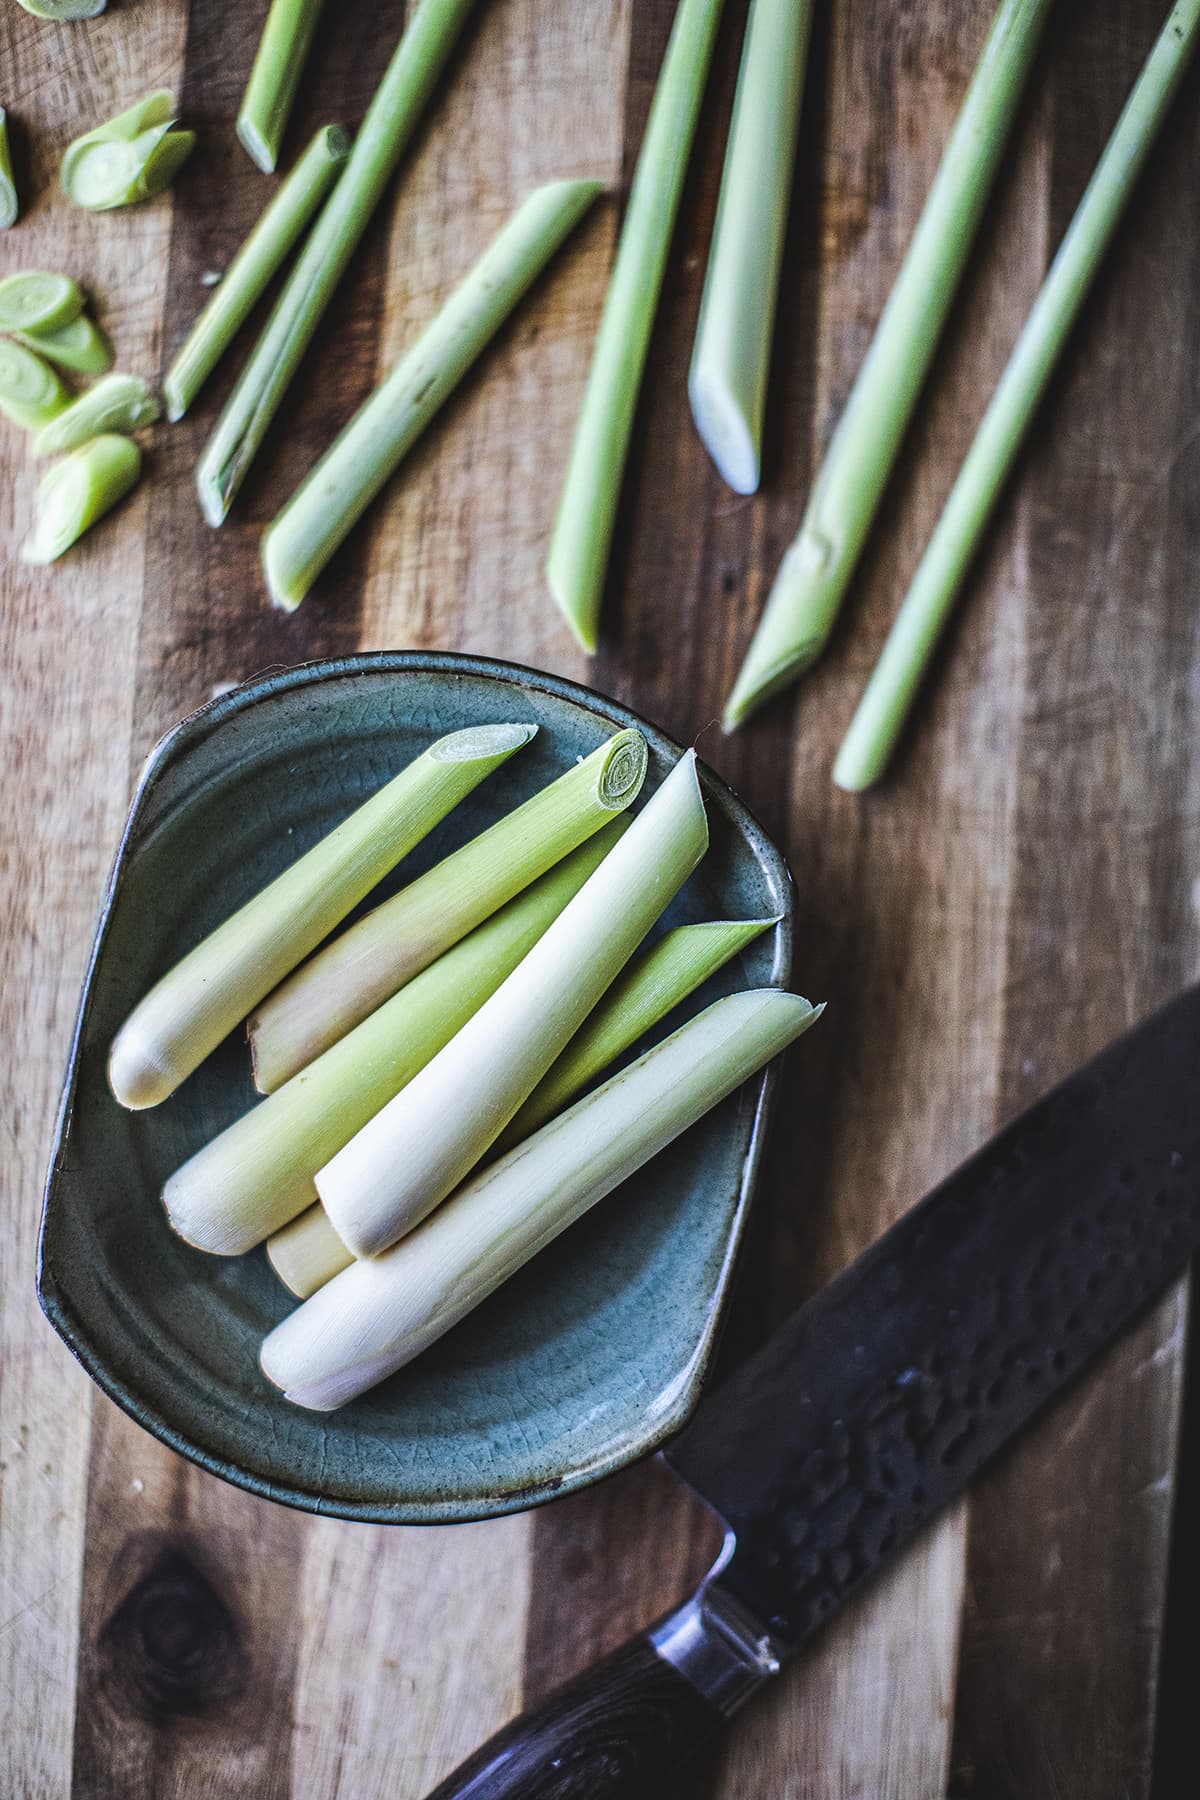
[{"x": 520, "y": 1067}]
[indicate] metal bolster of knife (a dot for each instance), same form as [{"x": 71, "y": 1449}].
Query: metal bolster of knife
[{"x": 715, "y": 1645}]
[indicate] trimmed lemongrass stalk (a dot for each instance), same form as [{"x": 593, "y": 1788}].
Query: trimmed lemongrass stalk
[
  {"x": 309, "y": 1252},
  {"x": 876, "y": 726},
  {"x": 64, "y": 11},
  {"x": 369, "y": 450},
  {"x": 119, "y": 402},
  {"x": 38, "y": 300},
  {"x": 816, "y": 570},
  {"x": 129, "y": 158},
  {"x": 10, "y": 206},
  {"x": 31, "y": 394},
  {"x": 391, "y": 119},
  {"x": 260, "y": 258},
  {"x": 579, "y": 550},
  {"x": 363, "y": 967},
  {"x": 378, "y": 1315},
  {"x": 267, "y": 103},
  {"x": 256, "y": 1176},
  {"x": 78, "y": 491},
  {"x": 198, "y": 1002},
  {"x": 80, "y": 346},
  {"x": 426, "y": 1140},
  {"x": 727, "y": 383}
]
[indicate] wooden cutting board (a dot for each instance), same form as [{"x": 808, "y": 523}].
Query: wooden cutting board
[{"x": 1025, "y": 885}]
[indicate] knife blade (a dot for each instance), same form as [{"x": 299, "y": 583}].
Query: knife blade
[{"x": 880, "y": 1399}]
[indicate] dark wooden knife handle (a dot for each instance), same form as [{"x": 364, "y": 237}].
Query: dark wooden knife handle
[{"x": 626, "y": 1728}]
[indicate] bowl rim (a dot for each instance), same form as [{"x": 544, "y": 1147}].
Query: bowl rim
[{"x": 266, "y": 685}]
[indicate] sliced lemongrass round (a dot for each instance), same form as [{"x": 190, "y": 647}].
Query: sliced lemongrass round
[
  {"x": 363, "y": 967},
  {"x": 38, "y": 300},
  {"x": 80, "y": 346},
  {"x": 379, "y": 1314},
  {"x": 425, "y": 1141},
  {"x": 127, "y": 159},
  {"x": 258, "y": 1174},
  {"x": 78, "y": 491},
  {"x": 198, "y": 1002},
  {"x": 10, "y": 206},
  {"x": 31, "y": 394},
  {"x": 119, "y": 402},
  {"x": 64, "y": 11}
]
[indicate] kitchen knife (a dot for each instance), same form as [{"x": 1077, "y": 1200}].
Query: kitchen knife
[{"x": 878, "y": 1401}]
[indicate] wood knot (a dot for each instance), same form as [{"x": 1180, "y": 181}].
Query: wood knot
[{"x": 171, "y": 1648}]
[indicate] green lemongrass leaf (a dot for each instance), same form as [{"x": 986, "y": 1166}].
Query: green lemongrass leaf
[
  {"x": 31, "y": 394},
  {"x": 378, "y": 1314},
  {"x": 363, "y": 967},
  {"x": 401, "y": 98},
  {"x": 256, "y": 1176},
  {"x": 38, "y": 300},
  {"x": 587, "y": 510},
  {"x": 127, "y": 159},
  {"x": 342, "y": 485},
  {"x": 64, "y": 11},
  {"x": 10, "y": 206},
  {"x": 282, "y": 52},
  {"x": 119, "y": 402},
  {"x": 78, "y": 491},
  {"x": 655, "y": 981},
  {"x": 80, "y": 346},
  {"x": 200, "y": 1000},
  {"x": 425, "y": 1141},
  {"x": 260, "y": 258},
  {"x": 816, "y": 570},
  {"x": 876, "y": 726},
  {"x": 727, "y": 383}
]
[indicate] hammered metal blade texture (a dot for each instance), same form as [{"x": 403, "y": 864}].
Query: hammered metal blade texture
[{"x": 882, "y": 1397}]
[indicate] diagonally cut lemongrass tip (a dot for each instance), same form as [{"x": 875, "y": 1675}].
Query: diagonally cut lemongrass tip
[{"x": 723, "y": 427}]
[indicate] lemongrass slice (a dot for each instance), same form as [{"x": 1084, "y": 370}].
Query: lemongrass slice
[
  {"x": 426, "y": 1140},
  {"x": 727, "y": 384},
  {"x": 198, "y": 1002},
  {"x": 357, "y": 464},
  {"x": 10, "y": 206},
  {"x": 117, "y": 403},
  {"x": 877, "y": 724},
  {"x": 363, "y": 967},
  {"x": 391, "y": 119},
  {"x": 267, "y": 103},
  {"x": 64, "y": 11},
  {"x": 815, "y": 572},
  {"x": 78, "y": 491},
  {"x": 260, "y": 258},
  {"x": 129, "y": 158},
  {"x": 80, "y": 346},
  {"x": 258, "y": 1174},
  {"x": 31, "y": 394},
  {"x": 377, "y": 1315},
  {"x": 587, "y": 511},
  {"x": 38, "y": 300}
]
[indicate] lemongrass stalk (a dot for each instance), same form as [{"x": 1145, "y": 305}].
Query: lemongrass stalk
[
  {"x": 64, "y": 11},
  {"x": 260, "y": 258},
  {"x": 391, "y": 119},
  {"x": 378, "y": 1315},
  {"x": 727, "y": 383},
  {"x": 318, "y": 517},
  {"x": 307, "y": 1252},
  {"x": 80, "y": 346},
  {"x": 587, "y": 511},
  {"x": 38, "y": 300},
  {"x": 10, "y": 206},
  {"x": 31, "y": 394},
  {"x": 363, "y": 967},
  {"x": 119, "y": 402},
  {"x": 267, "y": 103},
  {"x": 879, "y": 720},
  {"x": 78, "y": 491},
  {"x": 129, "y": 158},
  {"x": 425, "y": 1141},
  {"x": 816, "y": 570},
  {"x": 198, "y": 1002},
  {"x": 256, "y": 1176}
]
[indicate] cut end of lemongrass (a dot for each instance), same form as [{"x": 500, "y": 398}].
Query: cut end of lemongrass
[
  {"x": 119, "y": 402},
  {"x": 755, "y": 687},
  {"x": 724, "y": 431},
  {"x": 31, "y": 394},
  {"x": 264, "y": 155},
  {"x": 38, "y": 300},
  {"x": 308, "y": 1253},
  {"x": 64, "y": 12},
  {"x": 858, "y": 767},
  {"x": 580, "y": 610},
  {"x": 10, "y": 206},
  {"x": 477, "y": 742},
  {"x": 77, "y": 492},
  {"x": 80, "y": 346}
]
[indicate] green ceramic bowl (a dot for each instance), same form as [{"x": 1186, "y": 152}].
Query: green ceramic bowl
[{"x": 587, "y": 1359}]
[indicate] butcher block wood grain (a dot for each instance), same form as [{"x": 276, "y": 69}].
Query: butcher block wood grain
[{"x": 1026, "y": 883}]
